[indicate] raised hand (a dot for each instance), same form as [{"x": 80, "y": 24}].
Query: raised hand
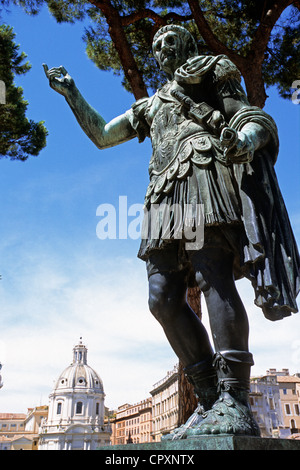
[
  {"x": 102, "y": 134},
  {"x": 59, "y": 79}
]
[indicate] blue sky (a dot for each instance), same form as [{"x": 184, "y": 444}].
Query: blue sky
[{"x": 59, "y": 281}]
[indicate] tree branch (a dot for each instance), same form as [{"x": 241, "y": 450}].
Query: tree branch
[
  {"x": 250, "y": 66},
  {"x": 118, "y": 36},
  {"x": 158, "y": 19},
  {"x": 209, "y": 37},
  {"x": 262, "y": 36}
]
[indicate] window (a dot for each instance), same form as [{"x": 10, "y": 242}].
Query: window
[
  {"x": 81, "y": 381},
  {"x": 293, "y": 424},
  {"x": 97, "y": 408},
  {"x": 79, "y": 407},
  {"x": 296, "y": 410},
  {"x": 287, "y": 409},
  {"x": 58, "y": 411}
]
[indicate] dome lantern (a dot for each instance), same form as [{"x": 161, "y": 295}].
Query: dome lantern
[
  {"x": 76, "y": 408},
  {"x": 80, "y": 353}
]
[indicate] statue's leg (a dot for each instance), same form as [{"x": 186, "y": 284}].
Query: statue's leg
[
  {"x": 231, "y": 413},
  {"x": 204, "y": 380},
  {"x": 186, "y": 334},
  {"x": 184, "y": 330},
  {"x": 229, "y": 326}
]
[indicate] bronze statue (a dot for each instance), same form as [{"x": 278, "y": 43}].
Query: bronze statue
[{"x": 211, "y": 150}]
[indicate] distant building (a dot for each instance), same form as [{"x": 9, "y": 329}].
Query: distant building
[
  {"x": 16, "y": 442},
  {"x": 33, "y": 421},
  {"x": 76, "y": 418},
  {"x": 13, "y": 435},
  {"x": 165, "y": 405},
  {"x": 265, "y": 404},
  {"x": 76, "y": 409},
  {"x": 1, "y": 381},
  {"x": 133, "y": 423},
  {"x": 289, "y": 386}
]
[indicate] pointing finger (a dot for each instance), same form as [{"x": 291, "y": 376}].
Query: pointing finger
[{"x": 45, "y": 66}]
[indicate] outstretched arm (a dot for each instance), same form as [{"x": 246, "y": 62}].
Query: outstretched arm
[{"x": 102, "y": 134}]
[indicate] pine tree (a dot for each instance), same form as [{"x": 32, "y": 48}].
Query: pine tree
[
  {"x": 261, "y": 37},
  {"x": 19, "y": 137}
]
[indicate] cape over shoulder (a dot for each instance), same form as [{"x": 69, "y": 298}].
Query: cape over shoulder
[{"x": 194, "y": 70}]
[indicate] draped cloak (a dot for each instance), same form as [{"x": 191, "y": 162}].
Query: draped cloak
[{"x": 188, "y": 168}]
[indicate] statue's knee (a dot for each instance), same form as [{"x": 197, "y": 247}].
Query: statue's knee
[
  {"x": 167, "y": 294},
  {"x": 158, "y": 307},
  {"x": 153, "y": 303},
  {"x": 162, "y": 305}
]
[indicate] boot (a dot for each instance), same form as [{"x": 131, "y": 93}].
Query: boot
[
  {"x": 231, "y": 413},
  {"x": 204, "y": 379}
]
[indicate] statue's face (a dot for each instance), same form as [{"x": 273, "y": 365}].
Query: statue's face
[{"x": 169, "y": 51}]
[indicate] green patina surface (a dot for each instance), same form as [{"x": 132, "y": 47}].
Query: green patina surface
[{"x": 212, "y": 443}]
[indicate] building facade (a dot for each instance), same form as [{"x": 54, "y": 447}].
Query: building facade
[
  {"x": 19, "y": 431},
  {"x": 265, "y": 404},
  {"x": 289, "y": 386},
  {"x": 76, "y": 409},
  {"x": 165, "y": 405},
  {"x": 12, "y": 430},
  {"x": 1, "y": 381},
  {"x": 133, "y": 423},
  {"x": 274, "y": 400}
]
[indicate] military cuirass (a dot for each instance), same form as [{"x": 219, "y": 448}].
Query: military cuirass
[{"x": 178, "y": 142}]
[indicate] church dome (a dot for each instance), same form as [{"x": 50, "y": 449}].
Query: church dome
[
  {"x": 76, "y": 408},
  {"x": 79, "y": 375}
]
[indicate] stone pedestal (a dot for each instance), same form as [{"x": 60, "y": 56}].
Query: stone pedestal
[{"x": 217, "y": 442}]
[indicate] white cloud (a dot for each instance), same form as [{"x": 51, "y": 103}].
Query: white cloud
[
  {"x": 47, "y": 305},
  {"x": 274, "y": 344},
  {"x": 52, "y": 308}
]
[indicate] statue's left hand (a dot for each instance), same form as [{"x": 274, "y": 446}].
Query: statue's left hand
[
  {"x": 59, "y": 79},
  {"x": 241, "y": 150}
]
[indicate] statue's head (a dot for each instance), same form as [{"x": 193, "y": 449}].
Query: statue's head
[{"x": 172, "y": 46}]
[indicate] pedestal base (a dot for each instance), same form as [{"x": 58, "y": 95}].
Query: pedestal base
[{"x": 218, "y": 442}]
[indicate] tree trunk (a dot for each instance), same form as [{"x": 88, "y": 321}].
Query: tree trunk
[
  {"x": 187, "y": 401},
  {"x": 251, "y": 65},
  {"x": 118, "y": 36},
  {"x": 255, "y": 86}
]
